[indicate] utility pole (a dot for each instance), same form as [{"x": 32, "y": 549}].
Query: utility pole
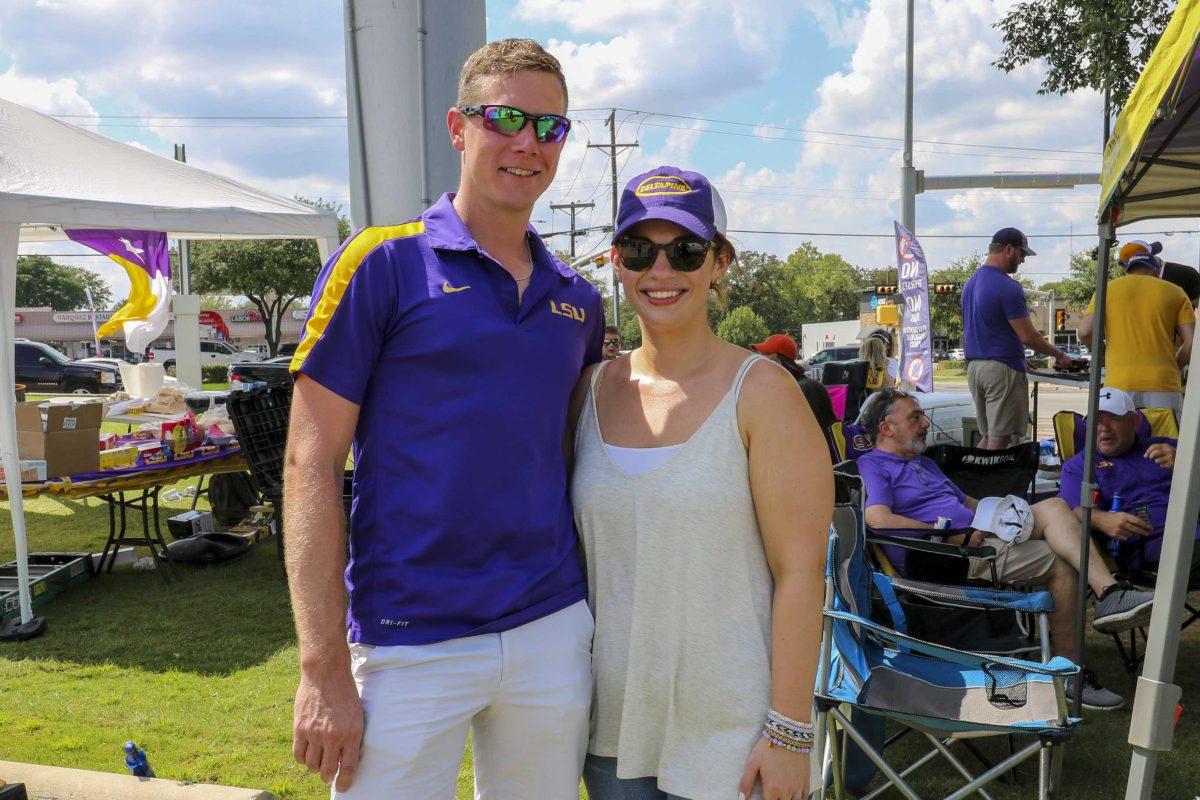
[
  {"x": 908, "y": 175},
  {"x": 612, "y": 148},
  {"x": 572, "y": 209}
]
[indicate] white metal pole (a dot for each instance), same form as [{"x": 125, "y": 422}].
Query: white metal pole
[{"x": 9, "y": 239}]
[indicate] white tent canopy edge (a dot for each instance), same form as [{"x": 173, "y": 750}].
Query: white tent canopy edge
[{"x": 55, "y": 176}]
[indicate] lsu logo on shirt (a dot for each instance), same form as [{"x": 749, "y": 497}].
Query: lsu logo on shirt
[
  {"x": 569, "y": 311},
  {"x": 662, "y": 184}
]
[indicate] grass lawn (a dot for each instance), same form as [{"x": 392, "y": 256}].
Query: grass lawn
[{"x": 203, "y": 674}]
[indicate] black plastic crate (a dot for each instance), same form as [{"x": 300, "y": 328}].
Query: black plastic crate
[{"x": 260, "y": 418}]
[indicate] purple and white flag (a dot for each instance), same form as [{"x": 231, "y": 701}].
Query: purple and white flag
[
  {"x": 146, "y": 260},
  {"x": 916, "y": 363}
]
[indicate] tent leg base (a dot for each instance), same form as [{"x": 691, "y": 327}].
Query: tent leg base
[{"x": 15, "y": 631}]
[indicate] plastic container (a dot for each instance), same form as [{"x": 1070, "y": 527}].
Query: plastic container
[{"x": 142, "y": 380}]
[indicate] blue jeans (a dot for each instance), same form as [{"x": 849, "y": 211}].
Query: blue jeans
[{"x": 600, "y": 778}]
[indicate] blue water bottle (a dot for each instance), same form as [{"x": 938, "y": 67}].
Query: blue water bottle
[
  {"x": 1114, "y": 545},
  {"x": 137, "y": 761}
]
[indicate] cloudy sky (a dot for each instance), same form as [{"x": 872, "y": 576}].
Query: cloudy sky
[{"x": 793, "y": 107}]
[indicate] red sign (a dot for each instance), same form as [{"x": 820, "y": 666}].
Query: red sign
[
  {"x": 214, "y": 320},
  {"x": 20, "y": 317}
]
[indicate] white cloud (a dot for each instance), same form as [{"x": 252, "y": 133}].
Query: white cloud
[
  {"x": 640, "y": 53},
  {"x": 853, "y": 186},
  {"x": 47, "y": 96}
]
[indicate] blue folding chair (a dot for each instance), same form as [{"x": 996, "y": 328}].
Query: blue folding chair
[{"x": 946, "y": 694}]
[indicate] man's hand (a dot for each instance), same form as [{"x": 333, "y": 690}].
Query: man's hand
[
  {"x": 1062, "y": 360},
  {"x": 328, "y": 726},
  {"x": 974, "y": 539},
  {"x": 1119, "y": 525},
  {"x": 1162, "y": 454}
]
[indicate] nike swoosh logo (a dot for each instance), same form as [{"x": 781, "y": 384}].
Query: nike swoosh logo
[{"x": 448, "y": 289}]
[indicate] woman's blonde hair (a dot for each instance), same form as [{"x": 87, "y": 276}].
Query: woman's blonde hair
[{"x": 874, "y": 351}]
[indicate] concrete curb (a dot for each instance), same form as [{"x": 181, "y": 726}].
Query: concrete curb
[{"x": 62, "y": 783}]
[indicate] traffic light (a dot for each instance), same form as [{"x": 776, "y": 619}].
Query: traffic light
[
  {"x": 1060, "y": 319},
  {"x": 945, "y": 288},
  {"x": 885, "y": 289}
]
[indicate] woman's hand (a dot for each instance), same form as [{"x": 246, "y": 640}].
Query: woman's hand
[{"x": 782, "y": 773}]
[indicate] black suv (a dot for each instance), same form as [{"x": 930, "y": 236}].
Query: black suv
[{"x": 41, "y": 368}]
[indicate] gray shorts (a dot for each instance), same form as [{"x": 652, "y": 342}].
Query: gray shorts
[{"x": 1001, "y": 396}]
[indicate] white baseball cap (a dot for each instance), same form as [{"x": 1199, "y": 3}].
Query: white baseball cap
[{"x": 1115, "y": 401}]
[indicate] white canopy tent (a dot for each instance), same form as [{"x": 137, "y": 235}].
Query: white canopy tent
[{"x": 54, "y": 176}]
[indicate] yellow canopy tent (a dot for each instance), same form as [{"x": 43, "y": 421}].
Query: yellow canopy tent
[{"x": 1152, "y": 170}]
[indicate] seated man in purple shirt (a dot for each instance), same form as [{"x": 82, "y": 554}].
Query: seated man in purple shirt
[
  {"x": 1134, "y": 469},
  {"x": 904, "y": 489}
]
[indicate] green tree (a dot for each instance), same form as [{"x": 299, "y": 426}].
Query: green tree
[
  {"x": 271, "y": 273},
  {"x": 1080, "y": 284},
  {"x": 760, "y": 281},
  {"x": 42, "y": 282},
  {"x": 1095, "y": 44},
  {"x": 945, "y": 316},
  {"x": 822, "y": 287},
  {"x": 743, "y": 327}
]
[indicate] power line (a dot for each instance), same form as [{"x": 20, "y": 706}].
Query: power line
[
  {"x": 888, "y": 148},
  {"x": 856, "y": 135}
]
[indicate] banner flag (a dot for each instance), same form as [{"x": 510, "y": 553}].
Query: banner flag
[
  {"x": 146, "y": 260},
  {"x": 916, "y": 364}
]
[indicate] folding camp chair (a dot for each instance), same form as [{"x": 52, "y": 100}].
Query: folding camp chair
[
  {"x": 943, "y": 693},
  {"x": 1070, "y": 434}
]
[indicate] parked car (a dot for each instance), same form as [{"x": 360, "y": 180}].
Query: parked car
[
  {"x": 957, "y": 354},
  {"x": 813, "y": 367},
  {"x": 41, "y": 368},
  {"x": 288, "y": 348},
  {"x": 274, "y": 371},
  {"x": 211, "y": 353},
  {"x": 1077, "y": 351}
]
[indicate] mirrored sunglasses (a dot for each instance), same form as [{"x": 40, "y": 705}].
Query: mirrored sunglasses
[{"x": 508, "y": 121}]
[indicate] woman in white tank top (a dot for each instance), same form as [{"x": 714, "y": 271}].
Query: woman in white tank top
[{"x": 703, "y": 492}]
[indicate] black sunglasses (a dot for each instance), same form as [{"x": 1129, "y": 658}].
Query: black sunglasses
[
  {"x": 508, "y": 121},
  {"x": 608, "y": 342},
  {"x": 685, "y": 254}
]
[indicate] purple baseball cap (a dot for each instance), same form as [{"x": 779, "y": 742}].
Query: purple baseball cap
[{"x": 675, "y": 195}]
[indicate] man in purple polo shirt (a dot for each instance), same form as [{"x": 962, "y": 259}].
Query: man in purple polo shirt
[
  {"x": 996, "y": 331},
  {"x": 1133, "y": 467},
  {"x": 445, "y": 350},
  {"x": 905, "y": 490}
]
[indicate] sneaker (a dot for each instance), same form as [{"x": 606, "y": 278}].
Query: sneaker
[
  {"x": 1123, "y": 608},
  {"x": 1095, "y": 696}
]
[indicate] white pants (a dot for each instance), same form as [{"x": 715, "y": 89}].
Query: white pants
[{"x": 524, "y": 693}]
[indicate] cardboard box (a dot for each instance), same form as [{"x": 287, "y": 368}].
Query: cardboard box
[
  {"x": 119, "y": 458},
  {"x": 189, "y": 523},
  {"x": 68, "y": 441},
  {"x": 30, "y": 470}
]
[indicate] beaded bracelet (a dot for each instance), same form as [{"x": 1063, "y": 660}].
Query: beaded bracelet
[{"x": 790, "y": 734}]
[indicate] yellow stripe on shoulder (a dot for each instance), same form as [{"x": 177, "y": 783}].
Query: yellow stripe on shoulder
[{"x": 343, "y": 271}]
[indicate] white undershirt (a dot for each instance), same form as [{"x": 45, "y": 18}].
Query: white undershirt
[{"x": 638, "y": 460}]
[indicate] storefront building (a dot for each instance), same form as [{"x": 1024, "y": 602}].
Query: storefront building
[{"x": 70, "y": 332}]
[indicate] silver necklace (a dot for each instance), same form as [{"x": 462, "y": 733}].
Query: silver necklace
[{"x": 528, "y": 253}]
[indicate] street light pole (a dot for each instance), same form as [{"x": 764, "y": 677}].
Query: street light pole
[{"x": 908, "y": 175}]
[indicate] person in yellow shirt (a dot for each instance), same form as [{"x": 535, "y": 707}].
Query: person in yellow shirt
[{"x": 1145, "y": 322}]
